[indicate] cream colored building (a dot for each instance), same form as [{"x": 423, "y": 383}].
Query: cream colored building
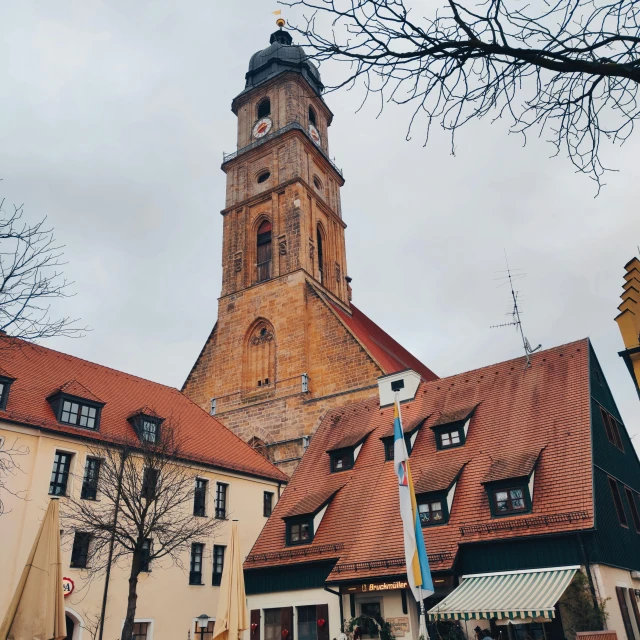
[{"x": 168, "y": 606}]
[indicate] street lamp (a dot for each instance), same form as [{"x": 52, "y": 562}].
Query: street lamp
[{"x": 203, "y": 621}]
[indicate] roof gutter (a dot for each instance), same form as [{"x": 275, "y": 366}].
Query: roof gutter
[{"x": 337, "y": 593}]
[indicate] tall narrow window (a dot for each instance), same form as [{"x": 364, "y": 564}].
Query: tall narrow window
[
  {"x": 90, "y": 481},
  {"x": 195, "y": 572},
  {"x": 264, "y": 108},
  {"x": 617, "y": 501},
  {"x": 80, "y": 550},
  {"x": 145, "y": 555},
  {"x": 60, "y": 474},
  {"x": 199, "y": 498},
  {"x": 312, "y": 117},
  {"x": 150, "y": 483},
  {"x": 221, "y": 501},
  {"x": 264, "y": 251},
  {"x": 634, "y": 508},
  {"x": 218, "y": 564},
  {"x": 320, "y": 255},
  {"x": 267, "y": 506},
  {"x": 260, "y": 357}
]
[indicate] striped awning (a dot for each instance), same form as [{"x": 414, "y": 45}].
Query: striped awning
[{"x": 510, "y": 594}]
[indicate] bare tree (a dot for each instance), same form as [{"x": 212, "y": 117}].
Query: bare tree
[
  {"x": 145, "y": 511},
  {"x": 9, "y": 468},
  {"x": 30, "y": 278},
  {"x": 566, "y": 67}
]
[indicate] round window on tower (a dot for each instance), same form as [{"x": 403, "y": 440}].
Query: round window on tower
[
  {"x": 316, "y": 183},
  {"x": 264, "y": 176}
]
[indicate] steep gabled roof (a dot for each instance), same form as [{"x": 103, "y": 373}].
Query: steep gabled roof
[
  {"x": 389, "y": 354},
  {"x": 40, "y": 372},
  {"x": 519, "y": 410}
]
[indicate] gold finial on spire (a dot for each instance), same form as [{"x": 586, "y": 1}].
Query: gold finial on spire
[{"x": 280, "y": 21}]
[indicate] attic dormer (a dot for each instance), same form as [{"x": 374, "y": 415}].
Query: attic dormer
[
  {"x": 146, "y": 423},
  {"x": 345, "y": 452},
  {"x": 304, "y": 518},
  {"x": 411, "y": 429},
  {"x": 451, "y": 427},
  {"x": 75, "y": 405}
]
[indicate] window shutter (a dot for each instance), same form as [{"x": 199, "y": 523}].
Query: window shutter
[
  {"x": 634, "y": 606},
  {"x": 255, "y": 620},
  {"x": 322, "y": 613},
  {"x": 625, "y": 612},
  {"x": 286, "y": 621}
]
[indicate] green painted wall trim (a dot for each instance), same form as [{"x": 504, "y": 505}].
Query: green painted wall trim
[
  {"x": 523, "y": 553},
  {"x": 307, "y": 575}
]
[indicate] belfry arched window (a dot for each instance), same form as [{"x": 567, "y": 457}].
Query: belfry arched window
[
  {"x": 260, "y": 356},
  {"x": 264, "y": 108},
  {"x": 312, "y": 117},
  {"x": 320, "y": 254},
  {"x": 264, "y": 251}
]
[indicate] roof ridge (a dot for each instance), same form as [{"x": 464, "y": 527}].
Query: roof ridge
[
  {"x": 67, "y": 356},
  {"x": 535, "y": 356}
]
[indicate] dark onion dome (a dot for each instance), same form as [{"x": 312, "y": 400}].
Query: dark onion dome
[{"x": 282, "y": 55}]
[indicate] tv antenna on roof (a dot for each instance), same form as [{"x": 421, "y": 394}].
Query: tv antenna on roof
[{"x": 515, "y": 274}]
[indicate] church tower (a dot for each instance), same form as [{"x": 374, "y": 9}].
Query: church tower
[{"x": 288, "y": 344}]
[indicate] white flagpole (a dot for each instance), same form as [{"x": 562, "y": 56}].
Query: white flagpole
[{"x": 422, "y": 629}]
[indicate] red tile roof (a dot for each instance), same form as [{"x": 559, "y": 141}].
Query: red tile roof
[
  {"x": 455, "y": 415},
  {"x": 40, "y": 372},
  {"x": 519, "y": 409},
  {"x": 390, "y": 355},
  {"x": 312, "y": 502},
  {"x": 438, "y": 475},
  {"x": 513, "y": 465},
  {"x": 74, "y": 388}
]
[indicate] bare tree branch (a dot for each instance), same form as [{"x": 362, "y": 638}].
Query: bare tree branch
[
  {"x": 30, "y": 278},
  {"x": 9, "y": 468},
  {"x": 568, "y": 68}
]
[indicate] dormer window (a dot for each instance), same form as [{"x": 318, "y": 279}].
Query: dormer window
[
  {"x": 149, "y": 431},
  {"x": 411, "y": 429},
  {"x": 342, "y": 460},
  {"x": 75, "y": 405},
  {"x": 451, "y": 438},
  {"x": 345, "y": 452},
  {"x": 509, "y": 500},
  {"x": 300, "y": 531},
  {"x": 450, "y": 429},
  {"x": 510, "y": 482},
  {"x": 435, "y": 490},
  {"x": 147, "y": 425},
  {"x": 303, "y": 519},
  {"x": 5, "y": 385}
]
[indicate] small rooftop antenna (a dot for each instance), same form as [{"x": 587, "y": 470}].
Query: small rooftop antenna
[{"x": 515, "y": 313}]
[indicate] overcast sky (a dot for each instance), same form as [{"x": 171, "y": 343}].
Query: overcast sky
[{"x": 114, "y": 118}]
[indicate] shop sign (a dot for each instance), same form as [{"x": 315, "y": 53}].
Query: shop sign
[
  {"x": 399, "y": 626},
  {"x": 67, "y": 586},
  {"x": 372, "y": 587}
]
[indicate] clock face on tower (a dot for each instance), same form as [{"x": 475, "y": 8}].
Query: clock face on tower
[
  {"x": 262, "y": 127},
  {"x": 315, "y": 134}
]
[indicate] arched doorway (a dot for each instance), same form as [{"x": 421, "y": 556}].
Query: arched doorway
[{"x": 75, "y": 625}]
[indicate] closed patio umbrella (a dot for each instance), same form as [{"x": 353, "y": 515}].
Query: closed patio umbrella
[
  {"x": 36, "y": 611},
  {"x": 231, "y": 617}
]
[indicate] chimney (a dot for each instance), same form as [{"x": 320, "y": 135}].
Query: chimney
[
  {"x": 405, "y": 382},
  {"x": 629, "y": 320}
]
